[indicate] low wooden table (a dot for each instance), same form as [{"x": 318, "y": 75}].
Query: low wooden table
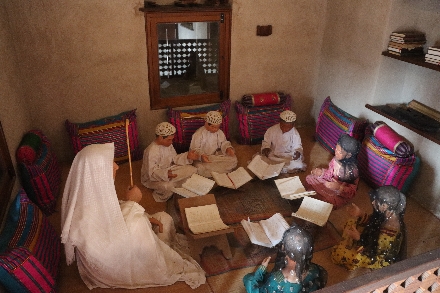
[{"x": 198, "y": 242}]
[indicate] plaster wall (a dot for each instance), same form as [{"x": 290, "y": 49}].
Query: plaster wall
[
  {"x": 353, "y": 72},
  {"x": 84, "y": 60}
]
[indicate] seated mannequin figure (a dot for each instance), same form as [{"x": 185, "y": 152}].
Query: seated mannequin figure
[
  {"x": 117, "y": 248},
  {"x": 162, "y": 168},
  {"x": 338, "y": 184},
  {"x": 293, "y": 272},
  {"x": 282, "y": 143},
  {"x": 373, "y": 241},
  {"x": 215, "y": 152}
]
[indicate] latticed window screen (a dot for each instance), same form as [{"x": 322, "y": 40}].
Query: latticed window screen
[{"x": 176, "y": 55}]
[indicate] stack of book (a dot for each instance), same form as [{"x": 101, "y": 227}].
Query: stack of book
[
  {"x": 406, "y": 43},
  {"x": 433, "y": 55}
]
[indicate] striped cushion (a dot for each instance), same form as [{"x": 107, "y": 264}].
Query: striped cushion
[
  {"x": 105, "y": 130},
  {"x": 187, "y": 121},
  {"x": 333, "y": 121},
  {"x": 379, "y": 166},
  {"x": 26, "y": 226},
  {"x": 254, "y": 121},
  {"x": 20, "y": 271},
  {"x": 41, "y": 179}
]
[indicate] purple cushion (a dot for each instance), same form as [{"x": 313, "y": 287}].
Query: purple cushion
[
  {"x": 333, "y": 121},
  {"x": 105, "y": 130},
  {"x": 187, "y": 121},
  {"x": 26, "y": 226},
  {"x": 20, "y": 271}
]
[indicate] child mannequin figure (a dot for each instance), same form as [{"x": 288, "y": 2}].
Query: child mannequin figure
[
  {"x": 282, "y": 143},
  {"x": 338, "y": 184},
  {"x": 296, "y": 274},
  {"x": 162, "y": 168},
  {"x": 373, "y": 241},
  {"x": 214, "y": 151}
]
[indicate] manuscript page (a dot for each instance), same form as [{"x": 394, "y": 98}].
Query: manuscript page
[
  {"x": 198, "y": 184},
  {"x": 292, "y": 188},
  {"x": 204, "y": 219}
]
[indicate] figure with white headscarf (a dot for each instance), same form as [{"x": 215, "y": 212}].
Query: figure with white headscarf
[
  {"x": 114, "y": 245},
  {"x": 282, "y": 143},
  {"x": 215, "y": 152},
  {"x": 373, "y": 241},
  {"x": 162, "y": 168}
]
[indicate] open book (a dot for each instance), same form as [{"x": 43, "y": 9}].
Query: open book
[
  {"x": 204, "y": 219},
  {"x": 264, "y": 170},
  {"x": 292, "y": 188},
  {"x": 314, "y": 210},
  {"x": 268, "y": 232},
  {"x": 194, "y": 186},
  {"x": 232, "y": 180}
]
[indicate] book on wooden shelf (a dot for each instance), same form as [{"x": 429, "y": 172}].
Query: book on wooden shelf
[
  {"x": 406, "y": 54},
  {"x": 432, "y": 57},
  {"x": 415, "y": 50},
  {"x": 292, "y": 188},
  {"x": 267, "y": 232},
  {"x": 403, "y": 45},
  {"x": 234, "y": 179},
  {"x": 433, "y": 51},
  {"x": 264, "y": 170},
  {"x": 197, "y": 184},
  {"x": 431, "y": 61},
  {"x": 203, "y": 219},
  {"x": 408, "y": 34},
  {"x": 314, "y": 210},
  {"x": 408, "y": 40},
  {"x": 424, "y": 109}
]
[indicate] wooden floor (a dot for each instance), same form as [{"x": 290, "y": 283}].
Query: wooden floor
[{"x": 423, "y": 228}]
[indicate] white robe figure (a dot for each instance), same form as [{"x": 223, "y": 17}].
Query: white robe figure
[
  {"x": 214, "y": 145},
  {"x": 157, "y": 160},
  {"x": 114, "y": 248},
  {"x": 283, "y": 147}
]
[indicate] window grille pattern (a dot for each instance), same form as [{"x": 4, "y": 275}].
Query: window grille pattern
[{"x": 175, "y": 56}]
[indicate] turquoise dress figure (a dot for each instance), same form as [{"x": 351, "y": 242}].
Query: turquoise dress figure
[{"x": 293, "y": 271}]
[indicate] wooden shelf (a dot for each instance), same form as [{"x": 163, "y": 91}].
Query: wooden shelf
[
  {"x": 384, "y": 110},
  {"x": 416, "y": 60}
]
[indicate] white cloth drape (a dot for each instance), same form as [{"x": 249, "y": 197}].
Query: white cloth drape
[{"x": 114, "y": 248}]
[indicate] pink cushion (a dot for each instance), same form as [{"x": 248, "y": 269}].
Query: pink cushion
[{"x": 392, "y": 140}]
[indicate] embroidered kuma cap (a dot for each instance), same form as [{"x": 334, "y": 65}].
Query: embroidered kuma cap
[
  {"x": 165, "y": 129},
  {"x": 214, "y": 117},
  {"x": 288, "y": 116}
]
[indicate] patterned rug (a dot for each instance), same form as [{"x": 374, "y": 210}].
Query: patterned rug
[
  {"x": 246, "y": 254},
  {"x": 256, "y": 200}
]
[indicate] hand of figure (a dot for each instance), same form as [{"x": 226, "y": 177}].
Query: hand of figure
[
  {"x": 265, "y": 152},
  {"x": 171, "y": 175},
  {"x": 230, "y": 152},
  {"x": 205, "y": 159},
  {"x": 192, "y": 155},
  {"x": 317, "y": 172},
  {"x": 265, "y": 261},
  {"x": 332, "y": 185},
  {"x": 296, "y": 155},
  {"x": 353, "y": 210},
  {"x": 352, "y": 232},
  {"x": 133, "y": 194},
  {"x": 155, "y": 221}
]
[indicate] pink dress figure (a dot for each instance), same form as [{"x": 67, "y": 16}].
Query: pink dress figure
[{"x": 338, "y": 184}]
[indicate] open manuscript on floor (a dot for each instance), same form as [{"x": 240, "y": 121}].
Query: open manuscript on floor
[{"x": 268, "y": 232}]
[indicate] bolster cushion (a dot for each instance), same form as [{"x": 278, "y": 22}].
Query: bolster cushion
[{"x": 392, "y": 140}]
